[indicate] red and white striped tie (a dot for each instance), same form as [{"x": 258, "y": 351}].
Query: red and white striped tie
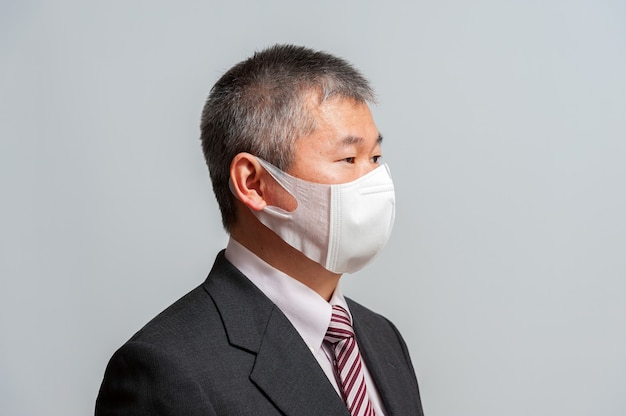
[{"x": 348, "y": 363}]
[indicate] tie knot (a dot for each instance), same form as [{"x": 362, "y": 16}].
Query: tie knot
[{"x": 340, "y": 327}]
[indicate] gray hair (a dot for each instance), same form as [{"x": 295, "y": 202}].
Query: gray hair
[{"x": 262, "y": 106}]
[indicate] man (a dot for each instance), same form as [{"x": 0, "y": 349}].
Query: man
[{"x": 293, "y": 154}]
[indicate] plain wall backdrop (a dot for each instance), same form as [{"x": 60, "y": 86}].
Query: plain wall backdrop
[{"x": 505, "y": 130}]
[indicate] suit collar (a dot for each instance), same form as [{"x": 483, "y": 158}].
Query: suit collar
[
  {"x": 243, "y": 307},
  {"x": 284, "y": 369}
]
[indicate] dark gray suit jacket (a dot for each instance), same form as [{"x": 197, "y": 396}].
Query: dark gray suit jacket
[{"x": 225, "y": 349}]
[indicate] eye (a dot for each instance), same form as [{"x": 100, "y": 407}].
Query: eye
[
  {"x": 376, "y": 159},
  {"x": 349, "y": 159}
]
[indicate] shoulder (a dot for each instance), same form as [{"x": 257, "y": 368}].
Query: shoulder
[
  {"x": 177, "y": 359},
  {"x": 196, "y": 316},
  {"x": 177, "y": 323}
]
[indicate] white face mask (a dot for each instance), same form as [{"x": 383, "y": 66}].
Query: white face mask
[{"x": 342, "y": 227}]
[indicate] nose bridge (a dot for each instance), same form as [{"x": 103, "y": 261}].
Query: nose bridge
[{"x": 366, "y": 167}]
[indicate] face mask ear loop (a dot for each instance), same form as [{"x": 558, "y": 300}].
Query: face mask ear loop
[
  {"x": 271, "y": 169},
  {"x": 282, "y": 178}
]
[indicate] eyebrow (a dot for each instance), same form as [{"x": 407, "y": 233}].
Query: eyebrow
[{"x": 348, "y": 140}]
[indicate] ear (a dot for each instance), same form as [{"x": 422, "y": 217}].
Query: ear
[{"x": 247, "y": 178}]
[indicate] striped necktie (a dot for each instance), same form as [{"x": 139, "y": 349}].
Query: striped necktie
[{"x": 348, "y": 363}]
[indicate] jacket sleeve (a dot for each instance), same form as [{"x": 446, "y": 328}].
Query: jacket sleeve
[{"x": 140, "y": 379}]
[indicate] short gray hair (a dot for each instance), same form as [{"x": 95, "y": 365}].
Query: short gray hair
[{"x": 262, "y": 105}]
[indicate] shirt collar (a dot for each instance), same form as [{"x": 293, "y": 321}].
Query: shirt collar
[{"x": 307, "y": 311}]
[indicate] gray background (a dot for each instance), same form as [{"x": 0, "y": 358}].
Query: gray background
[{"x": 504, "y": 127}]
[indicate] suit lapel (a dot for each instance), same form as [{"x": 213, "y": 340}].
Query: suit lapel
[
  {"x": 284, "y": 369},
  {"x": 289, "y": 374},
  {"x": 386, "y": 364}
]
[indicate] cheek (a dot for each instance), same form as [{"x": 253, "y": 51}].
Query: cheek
[{"x": 327, "y": 172}]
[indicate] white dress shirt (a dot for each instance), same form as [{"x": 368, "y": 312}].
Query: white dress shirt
[{"x": 307, "y": 311}]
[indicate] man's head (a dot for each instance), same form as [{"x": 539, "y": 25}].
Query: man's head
[{"x": 264, "y": 104}]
